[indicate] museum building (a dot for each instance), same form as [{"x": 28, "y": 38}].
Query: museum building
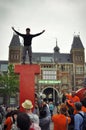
[{"x": 58, "y": 71}]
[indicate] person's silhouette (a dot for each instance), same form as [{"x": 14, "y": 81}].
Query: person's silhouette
[{"x": 27, "y": 43}]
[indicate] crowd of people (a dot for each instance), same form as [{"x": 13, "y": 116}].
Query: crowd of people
[
  {"x": 70, "y": 113},
  {"x": 30, "y": 119},
  {"x": 68, "y": 116}
]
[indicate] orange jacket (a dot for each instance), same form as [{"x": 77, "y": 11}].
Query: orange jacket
[
  {"x": 75, "y": 99},
  {"x": 8, "y": 122},
  {"x": 60, "y": 121},
  {"x": 83, "y": 109},
  {"x": 68, "y": 96}
]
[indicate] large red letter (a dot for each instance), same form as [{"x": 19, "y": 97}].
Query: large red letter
[{"x": 27, "y": 81}]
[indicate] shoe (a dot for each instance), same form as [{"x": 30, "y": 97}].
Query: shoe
[
  {"x": 23, "y": 63},
  {"x": 30, "y": 63}
]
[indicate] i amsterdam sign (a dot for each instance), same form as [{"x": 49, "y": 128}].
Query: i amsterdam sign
[{"x": 49, "y": 81}]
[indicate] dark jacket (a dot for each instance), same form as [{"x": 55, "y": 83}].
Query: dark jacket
[
  {"x": 28, "y": 37},
  {"x": 44, "y": 123}
]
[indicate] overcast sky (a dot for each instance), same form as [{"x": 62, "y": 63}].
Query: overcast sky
[{"x": 60, "y": 19}]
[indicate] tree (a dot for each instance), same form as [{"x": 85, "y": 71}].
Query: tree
[{"x": 9, "y": 84}]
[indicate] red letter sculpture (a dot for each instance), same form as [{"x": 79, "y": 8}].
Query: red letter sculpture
[{"x": 27, "y": 81}]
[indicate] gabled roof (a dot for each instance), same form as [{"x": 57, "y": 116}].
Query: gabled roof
[
  {"x": 51, "y": 57},
  {"x": 3, "y": 61},
  {"x": 77, "y": 43},
  {"x": 15, "y": 40},
  {"x": 64, "y": 58}
]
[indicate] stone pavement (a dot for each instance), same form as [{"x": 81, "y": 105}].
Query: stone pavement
[
  {"x": 54, "y": 112},
  {"x": 51, "y": 126}
]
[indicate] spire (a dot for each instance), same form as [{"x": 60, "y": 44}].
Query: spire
[
  {"x": 15, "y": 40},
  {"x": 56, "y": 41},
  {"x": 77, "y": 43},
  {"x": 56, "y": 48}
]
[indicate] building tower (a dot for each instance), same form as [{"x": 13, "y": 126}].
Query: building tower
[
  {"x": 15, "y": 50},
  {"x": 78, "y": 59},
  {"x": 56, "y": 52}
]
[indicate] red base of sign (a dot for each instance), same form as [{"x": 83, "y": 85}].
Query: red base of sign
[{"x": 27, "y": 82}]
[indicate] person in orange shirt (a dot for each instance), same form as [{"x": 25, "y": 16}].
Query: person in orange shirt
[
  {"x": 61, "y": 120},
  {"x": 10, "y": 120},
  {"x": 83, "y": 109},
  {"x": 74, "y": 98},
  {"x": 68, "y": 96},
  {"x": 84, "y": 102}
]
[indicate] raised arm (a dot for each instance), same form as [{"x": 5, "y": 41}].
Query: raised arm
[
  {"x": 16, "y": 31},
  {"x": 38, "y": 33},
  {"x": 43, "y": 31}
]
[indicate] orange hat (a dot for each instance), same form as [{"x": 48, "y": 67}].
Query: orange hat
[{"x": 70, "y": 103}]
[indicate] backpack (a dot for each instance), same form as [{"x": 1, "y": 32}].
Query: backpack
[{"x": 83, "y": 125}]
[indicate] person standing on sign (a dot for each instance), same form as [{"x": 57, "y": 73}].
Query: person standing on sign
[{"x": 27, "y": 43}]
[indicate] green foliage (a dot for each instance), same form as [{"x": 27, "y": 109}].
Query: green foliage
[{"x": 9, "y": 82}]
